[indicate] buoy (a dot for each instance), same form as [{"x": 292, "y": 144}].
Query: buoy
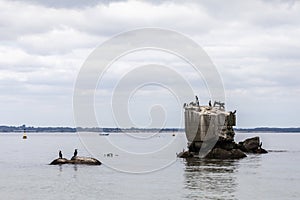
[{"x": 24, "y": 135}]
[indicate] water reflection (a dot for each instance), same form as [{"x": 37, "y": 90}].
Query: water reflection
[
  {"x": 75, "y": 168},
  {"x": 60, "y": 167},
  {"x": 210, "y": 179}
]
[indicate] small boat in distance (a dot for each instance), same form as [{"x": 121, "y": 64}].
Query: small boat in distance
[{"x": 104, "y": 134}]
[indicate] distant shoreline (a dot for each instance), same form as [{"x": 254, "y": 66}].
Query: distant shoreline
[
  {"x": 268, "y": 130},
  {"x": 5, "y": 129}
]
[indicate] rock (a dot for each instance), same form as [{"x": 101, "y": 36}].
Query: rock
[
  {"x": 76, "y": 160},
  {"x": 251, "y": 145},
  {"x": 227, "y": 145},
  {"x": 261, "y": 150},
  {"x": 185, "y": 154},
  {"x": 218, "y": 153},
  {"x": 84, "y": 160},
  {"x": 236, "y": 154},
  {"x": 59, "y": 161},
  {"x": 227, "y": 149}
]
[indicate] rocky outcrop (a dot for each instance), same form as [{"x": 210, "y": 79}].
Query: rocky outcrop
[
  {"x": 76, "y": 160},
  {"x": 228, "y": 149},
  {"x": 225, "y": 149},
  {"x": 204, "y": 122},
  {"x": 251, "y": 145},
  {"x": 185, "y": 154},
  {"x": 218, "y": 153}
]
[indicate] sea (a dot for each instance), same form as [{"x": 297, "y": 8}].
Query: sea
[{"x": 25, "y": 172}]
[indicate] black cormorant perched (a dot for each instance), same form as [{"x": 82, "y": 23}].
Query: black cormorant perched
[
  {"x": 75, "y": 153},
  {"x": 60, "y": 155},
  {"x": 197, "y": 101},
  {"x": 209, "y": 103}
]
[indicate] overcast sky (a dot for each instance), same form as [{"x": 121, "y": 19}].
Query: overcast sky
[{"x": 255, "y": 46}]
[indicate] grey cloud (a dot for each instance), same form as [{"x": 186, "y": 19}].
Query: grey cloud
[
  {"x": 66, "y": 3},
  {"x": 80, "y": 3},
  {"x": 254, "y": 44}
]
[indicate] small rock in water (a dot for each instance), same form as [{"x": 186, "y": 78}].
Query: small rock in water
[{"x": 76, "y": 160}]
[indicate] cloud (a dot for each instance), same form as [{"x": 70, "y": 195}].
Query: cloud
[
  {"x": 66, "y": 3},
  {"x": 254, "y": 44}
]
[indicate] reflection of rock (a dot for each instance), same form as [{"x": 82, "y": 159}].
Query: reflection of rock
[
  {"x": 251, "y": 145},
  {"x": 210, "y": 179},
  {"x": 76, "y": 160}
]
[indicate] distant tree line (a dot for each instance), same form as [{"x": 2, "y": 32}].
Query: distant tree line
[
  {"x": 81, "y": 129},
  {"x": 132, "y": 130},
  {"x": 267, "y": 129},
  {"x": 35, "y": 129}
]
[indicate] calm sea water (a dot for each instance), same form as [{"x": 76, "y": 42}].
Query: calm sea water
[{"x": 25, "y": 173}]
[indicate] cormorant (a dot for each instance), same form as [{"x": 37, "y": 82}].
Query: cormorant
[
  {"x": 209, "y": 103},
  {"x": 60, "y": 155},
  {"x": 197, "y": 101},
  {"x": 260, "y": 145},
  {"x": 75, "y": 153}
]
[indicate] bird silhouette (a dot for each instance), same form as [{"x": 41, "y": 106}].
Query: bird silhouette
[{"x": 75, "y": 153}]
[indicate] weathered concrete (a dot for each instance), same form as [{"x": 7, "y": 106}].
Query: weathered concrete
[
  {"x": 76, "y": 160},
  {"x": 204, "y": 123}
]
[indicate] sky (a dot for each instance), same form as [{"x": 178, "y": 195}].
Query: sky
[{"x": 254, "y": 45}]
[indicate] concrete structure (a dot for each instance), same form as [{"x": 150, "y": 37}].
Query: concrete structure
[
  {"x": 210, "y": 134},
  {"x": 208, "y": 123}
]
